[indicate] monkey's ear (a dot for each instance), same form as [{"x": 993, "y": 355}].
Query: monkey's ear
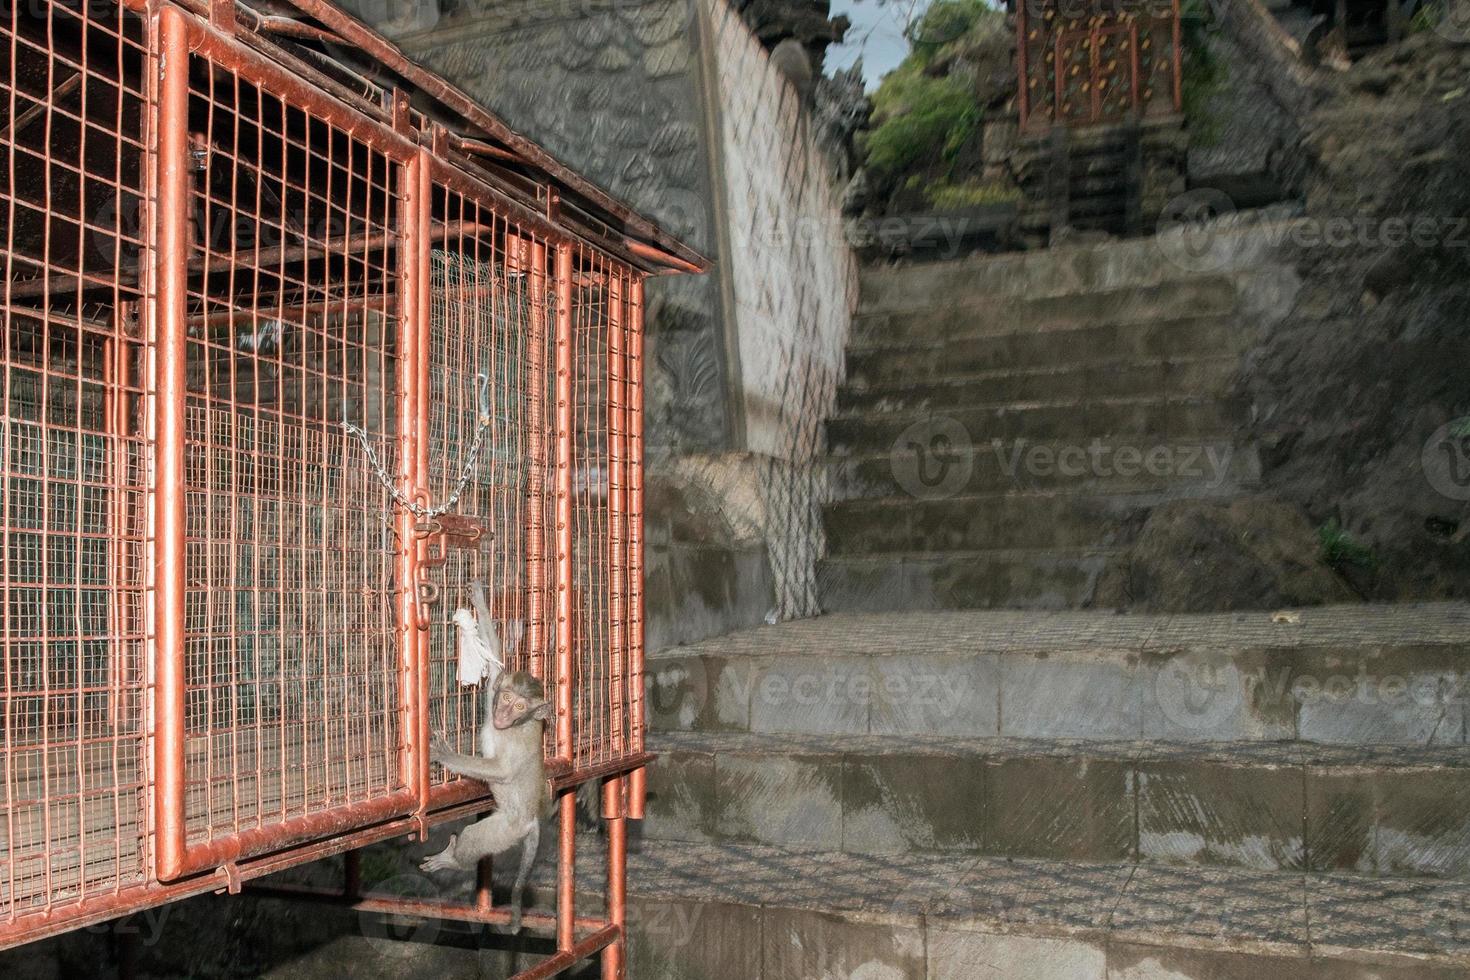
[{"x": 542, "y": 711}]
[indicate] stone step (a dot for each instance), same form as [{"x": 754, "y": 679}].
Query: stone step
[
  {"x": 965, "y": 315},
  {"x": 765, "y": 913},
  {"x": 1113, "y": 465},
  {"x": 1017, "y": 520},
  {"x": 961, "y": 356},
  {"x": 1113, "y": 378},
  {"x": 1146, "y": 419},
  {"x": 1273, "y": 806},
  {"x": 1239, "y": 247},
  {"x": 957, "y": 580},
  {"x": 1342, "y": 675}
]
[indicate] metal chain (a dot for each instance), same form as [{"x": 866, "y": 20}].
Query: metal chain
[{"x": 471, "y": 462}]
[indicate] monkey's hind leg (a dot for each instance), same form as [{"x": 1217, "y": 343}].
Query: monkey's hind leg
[
  {"x": 443, "y": 861},
  {"x": 494, "y": 835},
  {"x": 529, "y": 847}
]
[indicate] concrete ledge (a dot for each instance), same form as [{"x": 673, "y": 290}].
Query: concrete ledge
[
  {"x": 1386, "y": 810},
  {"x": 1348, "y": 675},
  {"x": 1239, "y": 244}
]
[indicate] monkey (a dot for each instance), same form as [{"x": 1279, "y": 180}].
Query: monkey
[{"x": 511, "y": 762}]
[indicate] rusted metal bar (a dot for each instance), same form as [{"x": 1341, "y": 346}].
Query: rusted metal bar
[
  {"x": 414, "y": 757},
  {"x": 566, "y": 871},
  {"x": 350, "y": 245},
  {"x": 223, "y": 50},
  {"x": 102, "y": 906},
  {"x": 536, "y": 615},
  {"x": 662, "y": 257},
  {"x": 637, "y": 780},
  {"x": 59, "y": 92},
  {"x": 617, "y": 523},
  {"x": 484, "y": 877},
  {"x": 291, "y": 27},
  {"x": 624, "y": 765},
  {"x": 482, "y": 149},
  {"x": 563, "y": 478},
  {"x": 614, "y": 957},
  {"x": 169, "y": 386},
  {"x": 417, "y": 279},
  {"x": 422, "y": 908},
  {"x": 572, "y": 955}
]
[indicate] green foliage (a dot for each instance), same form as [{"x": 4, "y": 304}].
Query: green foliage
[
  {"x": 1339, "y": 547},
  {"x": 916, "y": 116},
  {"x": 1427, "y": 17},
  {"x": 945, "y": 22},
  {"x": 946, "y": 195},
  {"x": 1204, "y": 72},
  {"x": 920, "y": 118}
]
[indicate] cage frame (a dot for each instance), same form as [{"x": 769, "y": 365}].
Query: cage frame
[{"x": 465, "y": 146}]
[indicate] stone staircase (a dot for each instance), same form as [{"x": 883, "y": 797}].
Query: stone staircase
[
  {"x": 1007, "y": 420},
  {"x": 1067, "y": 796}
]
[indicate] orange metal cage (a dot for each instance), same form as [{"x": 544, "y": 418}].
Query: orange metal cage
[{"x": 286, "y": 365}]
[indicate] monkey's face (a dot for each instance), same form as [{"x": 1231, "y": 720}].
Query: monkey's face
[{"x": 518, "y": 699}]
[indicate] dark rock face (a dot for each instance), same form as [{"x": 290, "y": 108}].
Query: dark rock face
[
  {"x": 806, "y": 21},
  {"x": 1209, "y": 556},
  {"x": 1356, "y": 393}
]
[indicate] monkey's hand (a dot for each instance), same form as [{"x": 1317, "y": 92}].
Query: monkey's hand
[
  {"x": 443, "y": 861},
  {"x": 439, "y": 748}
]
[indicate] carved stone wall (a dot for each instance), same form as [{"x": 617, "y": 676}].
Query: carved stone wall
[{"x": 794, "y": 283}]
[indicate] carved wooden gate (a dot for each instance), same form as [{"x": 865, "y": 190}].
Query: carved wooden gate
[{"x": 1097, "y": 61}]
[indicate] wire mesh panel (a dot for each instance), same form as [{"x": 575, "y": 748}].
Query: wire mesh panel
[
  {"x": 72, "y": 120},
  {"x": 600, "y": 551},
  {"x": 292, "y": 700},
  {"x": 486, "y": 387}
]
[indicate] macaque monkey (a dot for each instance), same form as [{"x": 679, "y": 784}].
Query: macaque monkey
[{"x": 510, "y": 762}]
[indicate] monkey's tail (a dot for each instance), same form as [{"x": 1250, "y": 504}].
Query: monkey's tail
[{"x": 528, "y": 858}]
